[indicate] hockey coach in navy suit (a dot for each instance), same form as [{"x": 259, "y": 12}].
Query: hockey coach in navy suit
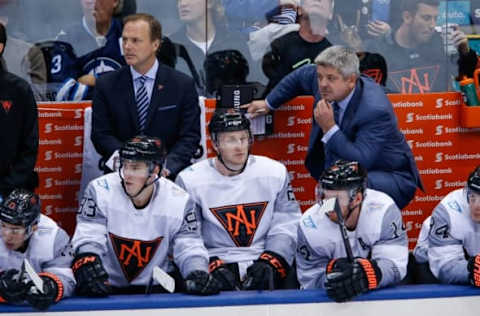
[
  {"x": 146, "y": 97},
  {"x": 353, "y": 120}
]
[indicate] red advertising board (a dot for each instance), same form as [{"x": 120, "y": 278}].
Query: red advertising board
[
  {"x": 59, "y": 161},
  {"x": 445, "y": 151}
]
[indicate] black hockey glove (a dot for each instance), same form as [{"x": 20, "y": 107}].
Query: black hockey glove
[
  {"x": 12, "y": 290},
  {"x": 351, "y": 279},
  {"x": 266, "y": 273},
  {"x": 226, "y": 278},
  {"x": 52, "y": 291},
  {"x": 201, "y": 283},
  {"x": 92, "y": 279},
  {"x": 474, "y": 270},
  {"x": 338, "y": 264}
]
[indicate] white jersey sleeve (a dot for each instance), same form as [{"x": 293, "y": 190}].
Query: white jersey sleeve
[
  {"x": 282, "y": 237},
  {"x": 311, "y": 263},
  {"x": 189, "y": 252},
  {"x": 391, "y": 249},
  {"x": 60, "y": 264},
  {"x": 91, "y": 230},
  {"x": 421, "y": 248},
  {"x": 445, "y": 241}
]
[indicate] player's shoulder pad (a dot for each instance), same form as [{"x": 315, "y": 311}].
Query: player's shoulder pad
[
  {"x": 172, "y": 189},
  {"x": 268, "y": 165},
  {"x": 105, "y": 182},
  {"x": 46, "y": 224},
  {"x": 376, "y": 201},
  {"x": 455, "y": 202},
  {"x": 312, "y": 218}
]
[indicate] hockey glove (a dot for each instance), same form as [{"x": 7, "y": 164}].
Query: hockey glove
[
  {"x": 338, "y": 264},
  {"x": 354, "y": 279},
  {"x": 266, "y": 273},
  {"x": 474, "y": 270},
  {"x": 52, "y": 291},
  {"x": 92, "y": 279},
  {"x": 226, "y": 278},
  {"x": 201, "y": 283},
  {"x": 12, "y": 290}
]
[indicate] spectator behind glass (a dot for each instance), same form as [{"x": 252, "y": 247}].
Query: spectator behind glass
[
  {"x": 298, "y": 48},
  {"x": 20, "y": 57},
  {"x": 362, "y": 113},
  {"x": 244, "y": 16},
  {"x": 204, "y": 31},
  {"x": 281, "y": 20},
  {"x": 19, "y": 130},
  {"x": 84, "y": 50},
  {"x": 416, "y": 57}
]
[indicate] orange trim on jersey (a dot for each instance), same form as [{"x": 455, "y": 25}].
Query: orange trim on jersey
[
  {"x": 370, "y": 272},
  {"x": 57, "y": 280}
]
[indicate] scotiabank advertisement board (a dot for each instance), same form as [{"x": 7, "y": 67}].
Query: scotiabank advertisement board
[
  {"x": 59, "y": 161},
  {"x": 445, "y": 151}
]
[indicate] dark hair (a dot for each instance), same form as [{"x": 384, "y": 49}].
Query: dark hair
[
  {"x": 155, "y": 26},
  {"x": 3, "y": 34},
  {"x": 412, "y": 5}
]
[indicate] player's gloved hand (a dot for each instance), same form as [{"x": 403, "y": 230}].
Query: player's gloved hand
[
  {"x": 201, "y": 283},
  {"x": 12, "y": 290},
  {"x": 338, "y": 264},
  {"x": 52, "y": 291},
  {"x": 355, "y": 278},
  {"x": 266, "y": 273},
  {"x": 92, "y": 279},
  {"x": 223, "y": 275},
  {"x": 474, "y": 270}
]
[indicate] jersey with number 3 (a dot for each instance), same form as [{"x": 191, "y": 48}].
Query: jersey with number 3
[
  {"x": 379, "y": 235},
  {"x": 132, "y": 241},
  {"x": 453, "y": 236},
  {"x": 245, "y": 214}
]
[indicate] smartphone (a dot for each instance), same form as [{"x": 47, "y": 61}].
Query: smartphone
[{"x": 380, "y": 11}]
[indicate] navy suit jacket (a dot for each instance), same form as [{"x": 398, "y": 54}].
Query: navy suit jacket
[
  {"x": 368, "y": 134},
  {"x": 174, "y": 114}
]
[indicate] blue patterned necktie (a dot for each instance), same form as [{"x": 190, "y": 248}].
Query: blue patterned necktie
[
  {"x": 336, "y": 112},
  {"x": 142, "y": 103}
]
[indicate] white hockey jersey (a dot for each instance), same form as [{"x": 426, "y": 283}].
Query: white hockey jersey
[
  {"x": 49, "y": 250},
  {"x": 132, "y": 241},
  {"x": 421, "y": 248},
  {"x": 245, "y": 214},
  {"x": 379, "y": 235},
  {"x": 453, "y": 232}
]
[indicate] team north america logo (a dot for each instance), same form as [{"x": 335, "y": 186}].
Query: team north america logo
[
  {"x": 240, "y": 221},
  {"x": 134, "y": 255}
]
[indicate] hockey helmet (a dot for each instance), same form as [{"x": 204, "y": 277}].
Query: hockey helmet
[
  {"x": 344, "y": 175},
  {"x": 227, "y": 121},
  {"x": 473, "y": 182},
  {"x": 143, "y": 148},
  {"x": 21, "y": 207}
]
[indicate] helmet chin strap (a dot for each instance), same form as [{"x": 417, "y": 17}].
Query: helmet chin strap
[
  {"x": 145, "y": 185},
  {"x": 350, "y": 211},
  {"x": 219, "y": 156}
]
